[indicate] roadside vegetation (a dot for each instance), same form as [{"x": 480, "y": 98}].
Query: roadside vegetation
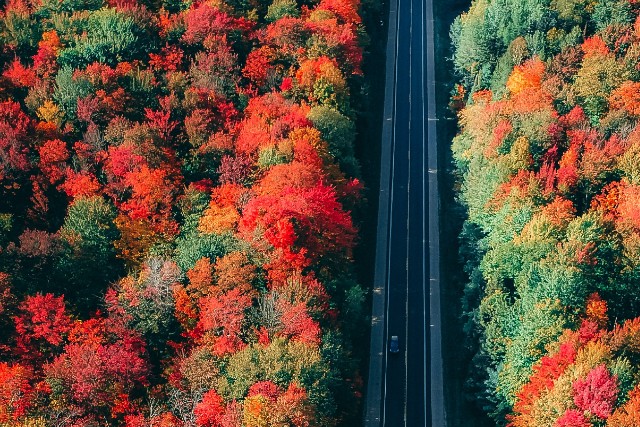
[
  {"x": 548, "y": 165},
  {"x": 176, "y": 187}
]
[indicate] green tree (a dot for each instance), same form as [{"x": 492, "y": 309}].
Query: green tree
[
  {"x": 483, "y": 35},
  {"x": 68, "y": 88},
  {"x": 611, "y": 12},
  {"x": 192, "y": 246},
  {"x": 19, "y": 31},
  {"x": 111, "y": 37},
  {"x": 88, "y": 263},
  {"x": 339, "y": 131},
  {"x": 599, "y": 75},
  {"x": 281, "y": 8}
]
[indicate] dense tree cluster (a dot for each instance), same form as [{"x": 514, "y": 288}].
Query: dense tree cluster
[
  {"x": 548, "y": 159},
  {"x": 176, "y": 182}
]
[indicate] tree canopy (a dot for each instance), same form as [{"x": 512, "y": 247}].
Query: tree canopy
[
  {"x": 176, "y": 241},
  {"x": 545, "y": 160}
]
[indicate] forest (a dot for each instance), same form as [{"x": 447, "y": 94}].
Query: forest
[
  {"x": 177, "y": 182},
  {"x": 547, "y": 160}
]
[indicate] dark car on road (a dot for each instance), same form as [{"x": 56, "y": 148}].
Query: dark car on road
[{"x": 394, "y": 346}]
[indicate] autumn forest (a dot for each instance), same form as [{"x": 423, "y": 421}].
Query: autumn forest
[
  {"x": 181, "y": 204},
  {"x": 548, "y": 165},
  {"x": 176, "y": 186}
]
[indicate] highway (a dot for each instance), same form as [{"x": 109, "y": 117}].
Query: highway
[{"x": 406, "y": 389}]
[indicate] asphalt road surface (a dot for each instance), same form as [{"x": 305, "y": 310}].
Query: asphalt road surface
[{"x": 406, "y": 389}]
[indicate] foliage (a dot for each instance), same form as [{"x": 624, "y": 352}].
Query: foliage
[
  {"x": 110, "y": 37},
  {"x": 588, "y": 378},
  {"x": 176, "y": 179},
  {"x": 545, "y": 160},
  {"x": 88, "y": 234}
]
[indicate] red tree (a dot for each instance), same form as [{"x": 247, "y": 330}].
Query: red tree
[
  {"x": 264, "y": 388},
  {"x": 297, "y": 324},
  {"x": 210, "y": 411},
  {"x": 41, "y": 325},
  {"x": 596, "y": 393},
  {"x": 257, "y": 65},
  {"x": 14, "y": 140},
  {"x": 103, "y": 361},
  {"x": 309, "y": 218},
  {"x": 222, "y": 318},
  {"x": 15, "y": 392},
  {"x": 572, "y": 418},
  {"x": 19, "y": 75},
  {"x": 53, "y": 155}
]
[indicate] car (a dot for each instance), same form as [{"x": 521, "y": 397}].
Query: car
[{"x": 394, "y": 346}]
